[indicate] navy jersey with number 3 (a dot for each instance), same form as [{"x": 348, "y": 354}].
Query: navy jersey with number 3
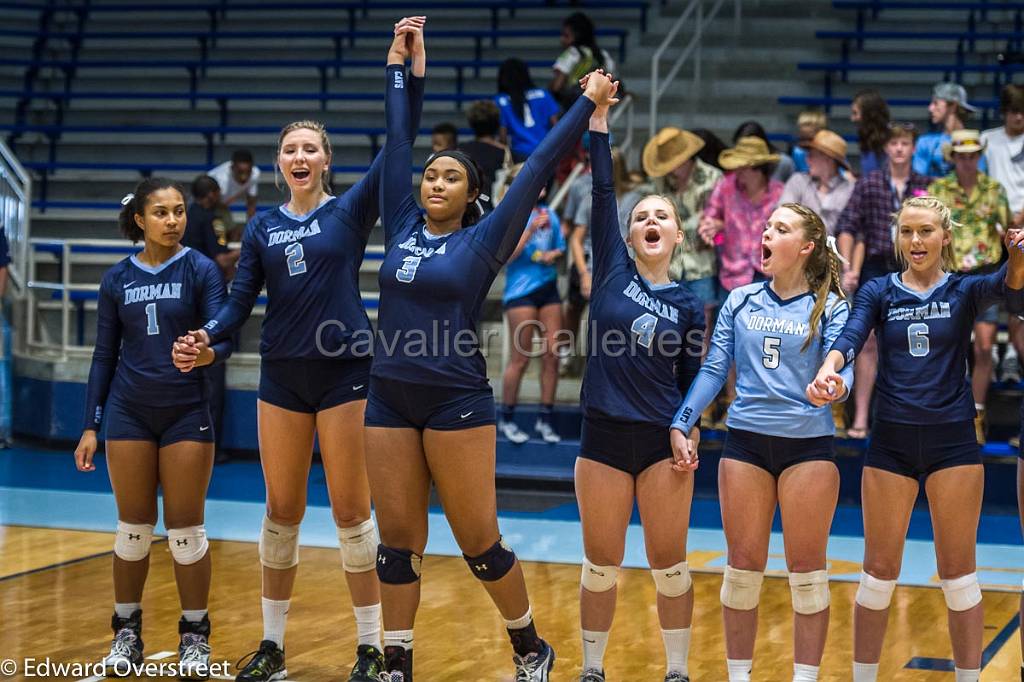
[
  {"x": 432, "y": 287},
  {"x": 645, "y": 341},
  {"x": 924, "y": 339},
  {"x": 141, "y": 311}
]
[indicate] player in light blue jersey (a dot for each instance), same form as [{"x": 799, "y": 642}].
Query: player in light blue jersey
[
  {"x": 924, "y": 426},
  {"x": 157, "y": 419},
  {"x": 779, "y": 446}
]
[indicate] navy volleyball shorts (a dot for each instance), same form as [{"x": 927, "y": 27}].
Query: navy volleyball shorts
[{"x": 403, "y": 405}]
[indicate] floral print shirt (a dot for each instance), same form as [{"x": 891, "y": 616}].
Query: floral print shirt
[{"x": 982, "y": 216}]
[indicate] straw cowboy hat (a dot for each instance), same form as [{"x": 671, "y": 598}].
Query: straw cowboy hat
[
  {"x": 749, "y": 151},
  {"x": 963, "y": 142},
  {"x": 831, "y": 145},
  {"x": 669, "y": 149}
]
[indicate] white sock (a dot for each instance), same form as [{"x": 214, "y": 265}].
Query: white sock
[
  {"x": 739, "y": 671},
  {"x": 402, "y": 638},
  {"x": 126, "y": 610},
  {"x": 865, "y": 672},
  {"x": 677, "y": 650},
  {"x": 275, "y": 617},
  {"x": 967, "y": 675},
  {"x": 522, "y": 621},
  {"x": 194, "y": 616},
  {"x": 805, "y": 673},
  {"x": 594, "y": 644},
  {"x": 368, "y": 625},
  {"x": 979, "y": 406}
]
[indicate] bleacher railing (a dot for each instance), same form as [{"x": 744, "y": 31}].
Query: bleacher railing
[
  {"x": 15, "y": 214},
  {"x": 693, "y": 48}
]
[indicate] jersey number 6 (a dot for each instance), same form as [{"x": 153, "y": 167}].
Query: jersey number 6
[{"x": 917, "y": 339}]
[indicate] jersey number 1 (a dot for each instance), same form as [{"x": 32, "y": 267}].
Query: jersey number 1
[{"x": 152, "y": 327}]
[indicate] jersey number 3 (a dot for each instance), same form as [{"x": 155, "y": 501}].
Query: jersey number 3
[
  {"x": 296, "y": 264},
  {"x": 407, "y": 272},
  {"x": 917, "y": 339}
]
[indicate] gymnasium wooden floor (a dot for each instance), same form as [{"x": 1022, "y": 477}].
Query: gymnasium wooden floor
[{"x": 55, "y": 601}]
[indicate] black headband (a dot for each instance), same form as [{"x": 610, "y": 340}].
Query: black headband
[{"x": 472, "y": 171}]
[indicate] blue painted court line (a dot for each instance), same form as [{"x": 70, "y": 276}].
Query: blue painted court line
[{"x": 947, "y": 665}]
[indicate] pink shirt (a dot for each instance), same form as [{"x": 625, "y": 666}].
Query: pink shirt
[{"x": 739, "y": 242}]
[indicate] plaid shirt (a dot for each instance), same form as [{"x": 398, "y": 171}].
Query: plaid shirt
[{"x": 868, "y": 215}]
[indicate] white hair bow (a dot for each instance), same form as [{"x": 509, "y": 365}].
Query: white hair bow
[
  {"x": 127, "y": 199},
  {"x": 830, "y": 241}
]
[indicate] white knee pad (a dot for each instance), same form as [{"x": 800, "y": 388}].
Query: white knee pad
[
  {"x": 809, "y": 591},
  {"x": 188, "y": 545},
  {"x": 279, "y": 545},
  {"x": 359, "y": 547},
  {"x": 673, "y": 581},
  {"x": 132, "y": 540},
  {"x": 962, "y": 593},
  {"x": 598, "y": 578},
  {"x": 741, "y": 590},
  {"x": 873, "y": 593}
]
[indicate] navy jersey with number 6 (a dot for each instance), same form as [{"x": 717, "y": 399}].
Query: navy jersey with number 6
[
  {"x": 310, "y": 266},
  {"x": 432, "y": 287},
  {"x": 645, "y": 341},
  {"x": 924, "y": 339},
  {"x": 141, "y": 311}
]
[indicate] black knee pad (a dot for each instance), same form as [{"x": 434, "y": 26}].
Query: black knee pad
[
  {"x": 493, "y": 564},
  {"x": 397, "y": 566}
]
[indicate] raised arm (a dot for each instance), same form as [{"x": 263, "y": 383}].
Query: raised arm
[
  {"x": 606, "y": 240},
  {"x": 866, "y": 308},
  {"x": 245, "y": 288},
  {"x": 713, "y": 373},
  {"x": 499, "y": 232},
  {"x": 104, "y": 357}
]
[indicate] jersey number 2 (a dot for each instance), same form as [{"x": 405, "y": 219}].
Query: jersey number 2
[
  {"x": 407, "y": 272},
  {"x": 917, "y": 339},
  {"x": 152, "y": 327},
  {"x": 296, "y": 266},
  {"x": 770, "y": 359}
]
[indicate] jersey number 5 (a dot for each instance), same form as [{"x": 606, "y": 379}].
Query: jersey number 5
[
  {"x": 296, "y": 264},
  {"x": 770, "y": 359},
  {"x": 917, "y": 339},
  {"x": 407, "y": 272}
]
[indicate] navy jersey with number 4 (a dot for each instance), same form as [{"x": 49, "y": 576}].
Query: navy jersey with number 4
[
  {"x": 645, "y": 341},
  {"x": 432, "y": 287},
  {"x": 141, "y": 311},
  {"x": 924, "y": 339},
  {"x": 310, "y": 266}
]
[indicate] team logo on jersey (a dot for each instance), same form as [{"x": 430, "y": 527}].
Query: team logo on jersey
[
  {"x": 399, "y": 80},
  {"x": 655, "y": 305},
  {"x": 152, "y": 292},
  {"x": 289, "y": 236},
  {"x": 424, "y": 252},
  {"x": 776, "y": 325},
  {"x": 929, "y": 311}
]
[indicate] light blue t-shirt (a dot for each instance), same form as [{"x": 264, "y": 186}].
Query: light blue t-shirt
[
  {"x": 929, "y": 160},
  {"x": 763, "y": 335},
  {"x": 524, "y": 275}
]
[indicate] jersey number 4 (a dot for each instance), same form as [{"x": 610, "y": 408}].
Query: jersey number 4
[
  {"x": 407, "y": 272},
  {"x": 917, "y": 339},
  {"x": 644, "y": 327}
]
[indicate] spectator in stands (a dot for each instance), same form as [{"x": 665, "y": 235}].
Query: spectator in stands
[
  {"x": 824, "y": 189},
  {"x": 206, "y": 233},
  {"x": 527, "y": 112},
  {"x": 580, "y": 55},
  {"x": 486, "y": 150},
  {"x": 980, "y": 214},
  {"x": 1004, "y": 155},
  {"x": 808, "y": 123},
  {"x": 238, "y": 179},
  {"x": 870, "y": 113},
  {"x": 533, "y": 307},
  {"x": 865, "y": 241},
  {"x": 671, "y": 159},
  {"x": 783, "y": 168},
  {"x": 712, "y": 149},
  {"x": 734, "y": 219},
  {"x": 949, "y": 111},
  {"x": 444, "y": 137}
]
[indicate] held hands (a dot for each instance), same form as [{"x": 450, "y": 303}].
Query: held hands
[
  {"x": 192, "y": 350},
  {"x": 601, "y": 89},
  {"x": 826, "y": 388},
  {"x": 408, "y": 41},
  {"x": 85, "y": 451},
  {"x": 684, "y": 450}
]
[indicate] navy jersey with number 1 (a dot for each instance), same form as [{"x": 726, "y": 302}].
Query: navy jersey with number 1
[
  {"x": 645, "y": 341},
  {"x": 141, "y": 311},
  {"x": 432, "y": 287}
]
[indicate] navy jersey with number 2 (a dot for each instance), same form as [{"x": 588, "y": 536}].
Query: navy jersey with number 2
[{"x": 432, "y": 287}]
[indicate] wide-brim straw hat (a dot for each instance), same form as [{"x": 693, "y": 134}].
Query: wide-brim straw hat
[
  {"x": 831, "y": 145},
  {"x": 748, "y": 151},
  {"x": 963, "y": 142},
  {"x": 669, "y": 149}
]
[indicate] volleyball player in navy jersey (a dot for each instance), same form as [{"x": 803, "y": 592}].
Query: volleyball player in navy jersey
[
  {"x": 779, "y": 447},
  {"x": 924, "y": 426},
  {"x": 430, "y": 412},
  {"x": 316, "y": 347},
  {"x": 631, "y": 390},
  {"x": 158, "y": 427}
]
